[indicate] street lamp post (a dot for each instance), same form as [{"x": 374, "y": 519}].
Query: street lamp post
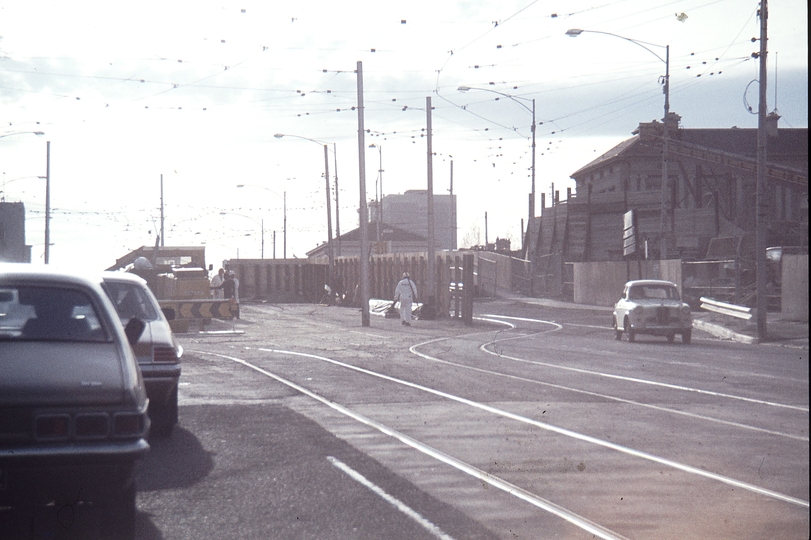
[
  {"x": 284, "y": 224},
  {"x": 261, "y": 224},
  {"x": 517, "y": 100},
  {"x": 663, "y": 228},
  {"x": 329, "y": 205}
]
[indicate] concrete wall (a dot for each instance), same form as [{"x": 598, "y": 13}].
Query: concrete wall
[
  {"x": 494, "y": 272},
  {"x": 795, "y": 288},
  {"x": 601, "y": 283}
]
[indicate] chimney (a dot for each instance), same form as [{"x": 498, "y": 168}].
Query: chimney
[{"x": 771, "y": 123}]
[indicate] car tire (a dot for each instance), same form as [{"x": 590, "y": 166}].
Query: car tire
[
  {"x": 617, "y": 332},
  {"x": 631, "y": 332},
  {"x": 686, "y": 336},
  {"x": 164, "y": 416},
  {"x": 119, "y": 519}
]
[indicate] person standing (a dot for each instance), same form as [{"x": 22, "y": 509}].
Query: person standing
[
  {"x": 216, "y": 283},
  {"x": 236, "y": 290},
  {"x": 406, "y": 293}
]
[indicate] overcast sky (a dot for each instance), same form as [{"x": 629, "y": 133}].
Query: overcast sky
[{"x": 196, "y": 90}]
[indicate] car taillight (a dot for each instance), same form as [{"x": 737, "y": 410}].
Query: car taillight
[
  {"x": 92, "y": 425},
  {"x": 127, "y": 424},
  {"x": 53, "y": 426},
  {"x": 164, "y": 354}
]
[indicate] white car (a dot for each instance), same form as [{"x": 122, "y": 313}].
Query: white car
[
  {"x": 653, "y": 307},
  {"x": 157, "y": 350}
]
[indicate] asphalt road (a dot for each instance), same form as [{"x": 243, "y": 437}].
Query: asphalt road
[{"x": 533, "y": 423}]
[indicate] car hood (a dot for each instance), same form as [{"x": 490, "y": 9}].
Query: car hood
[{"x": 64, "y": 374}]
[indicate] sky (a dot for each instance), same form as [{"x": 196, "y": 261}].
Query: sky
[{"x": 176, "y": 103}]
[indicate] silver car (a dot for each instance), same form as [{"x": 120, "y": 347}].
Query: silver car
[
  {"x": 652, "y": 307},
  {"x": 73, "y": 407},
  {"x": 158, "y": 351}
]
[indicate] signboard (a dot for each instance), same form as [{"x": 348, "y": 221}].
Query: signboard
[{"x": 629, "y": 233}]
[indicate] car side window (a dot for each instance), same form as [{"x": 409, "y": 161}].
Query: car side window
[{"x": 131, "y": 301}]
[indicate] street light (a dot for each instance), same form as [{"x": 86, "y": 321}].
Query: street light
[
  {"x": 329, "y": 211},
  {"x": 517, "y": 100},
  {"x": 261, "y": 224},
  {"x": 284, "y": 223},
  {"x": 574, "y": 32}
]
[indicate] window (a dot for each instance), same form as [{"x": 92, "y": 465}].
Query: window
[{"x": 42, "y": 313}]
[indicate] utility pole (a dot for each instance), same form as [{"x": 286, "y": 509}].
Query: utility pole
[
  {"x": 162, "y": 235},
  {"x": 337, "y": 205},
  {"x": 48, "y": 202},
  {"x": 331, "y": 259},
  {"x": 431, "y": 255},
  {"x": 453, "y": 214},
  {"x": 364, "y": 220},
  {"x": 762, "y": 214}
]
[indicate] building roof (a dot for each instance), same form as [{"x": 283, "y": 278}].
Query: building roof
[
  {"x": 388, "y": 233},
  {"x": 789, "y": 148}
]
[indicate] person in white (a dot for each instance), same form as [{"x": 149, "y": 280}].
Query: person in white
[
  {"x": 216, "y": 285},
  {"x": 406, "y": 294}
]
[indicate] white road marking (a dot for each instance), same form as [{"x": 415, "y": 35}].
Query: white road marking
[
  {"x": 575, "y": 519},
  {"x": 561, "y": 431},
  {"x": 624, "y": 378},
  {"x": 397, "y": 503}
]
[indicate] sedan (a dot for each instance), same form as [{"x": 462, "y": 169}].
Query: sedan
[
  {"x": 73, "y": 408},
  {"x": 652, "y": 307},
  {"x": 158, "y": 351}
]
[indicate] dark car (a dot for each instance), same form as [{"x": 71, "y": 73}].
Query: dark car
[
  {"x": 73, "y": 408},
  {"x": 157, "y": 351}
]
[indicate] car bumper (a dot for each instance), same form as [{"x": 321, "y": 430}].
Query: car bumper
[
  {"x": 656, "y": 330},
  {"x": 160, "y": 381},
  {"x": 70, "y": 466}
]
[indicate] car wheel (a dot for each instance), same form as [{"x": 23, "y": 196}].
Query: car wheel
[
  {"x": 631, "y": 333},
  {"x": 671, "y": 338},
  {"x": 617, "y": 331},
  {"x": 686, "y": 336},
  {"x": 120, "y": 517},
  {"x": 164, "y": 416}
]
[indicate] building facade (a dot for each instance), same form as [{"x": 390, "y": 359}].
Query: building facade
[
  {"x": 409, "y": 212},
  {"x": 12, "y": 233}
]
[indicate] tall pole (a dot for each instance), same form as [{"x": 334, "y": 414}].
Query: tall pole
[
  {"x": 364, "y": 220},
  {"x": 453, "y": 214},
  {"x": 532, "y": 195},
  {"x": 664, "y": 229},
  {"x": 284, "y": 231},
  {"x": 162, "y": 234},
  {"x": 762, "y": 201},
  {"x": 48, "y": 202},
  {"x": 430, "y": 285},
  {"x": 329, "y": 214},
  {"x": 337, "y": 205}
]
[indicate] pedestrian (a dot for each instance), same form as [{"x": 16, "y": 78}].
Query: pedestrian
[
  {"x": 236, "y": 291},
  {"x": 216, "y": 282},
  {"x": 228, "y": 290},
  {"x": 406, "y": 293}
]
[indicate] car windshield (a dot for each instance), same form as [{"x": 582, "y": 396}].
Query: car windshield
[
  {"x": 41, "y": 313},
  {"x": 650, "y": 292},
  {"x": 131, "y": 301}
]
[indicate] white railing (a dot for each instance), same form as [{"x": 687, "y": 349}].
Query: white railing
[{"x": 740, "y": 312}]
